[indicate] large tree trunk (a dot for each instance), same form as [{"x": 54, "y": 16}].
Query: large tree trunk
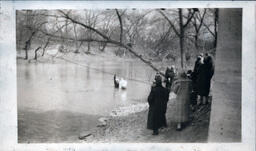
[
  {"x": 121, "y": 25},
  {"x": 215, "y": 26},
  {"x": 181, "y": 38},
  {"x": 196, "y": 39}
]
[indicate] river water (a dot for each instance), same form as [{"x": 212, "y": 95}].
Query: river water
[{"x": 50, "y": 91}]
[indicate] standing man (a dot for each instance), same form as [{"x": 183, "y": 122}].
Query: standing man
[
  {"x": 169, "y": 77},
  {"x": 205, "y": 74},
  {"x": 157, "y": 100},
  {"x": 194, "y": 77}
]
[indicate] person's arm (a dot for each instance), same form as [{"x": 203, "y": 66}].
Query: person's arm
[
  {"x": 167, "y": 95},
  {"x": 176, "y": 87},
  {"x": 151, "y": 97}
]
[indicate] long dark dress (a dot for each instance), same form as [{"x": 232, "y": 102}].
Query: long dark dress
[
  {"x": 205, "y": 73},
  {"x": 194, "y": 75},
  {"x": 157, "y": 100}
]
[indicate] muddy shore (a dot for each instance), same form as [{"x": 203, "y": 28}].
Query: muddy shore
[{"x": 132, "y": 128}]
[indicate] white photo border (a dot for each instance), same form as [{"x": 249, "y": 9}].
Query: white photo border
[{"x": 8, "y": 79}]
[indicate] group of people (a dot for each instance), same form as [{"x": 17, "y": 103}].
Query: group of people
[{"x": 187, "y": 86}]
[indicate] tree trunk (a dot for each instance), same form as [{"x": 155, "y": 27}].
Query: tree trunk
[
  {"x": 89, "y": 47},
  {"x": 121, "y": 25},
  {"x": 181, "y": 37},
  {"x": 47, "y": 43},
  {"x": 77, "y": 49},
  {"x": 28, "y": 44},
  {"x": 26, "y": 54},
  {"x": 196, "y": 39},
  {"x": 36, "y": 52},
  {"x": 215, "y": 26}
]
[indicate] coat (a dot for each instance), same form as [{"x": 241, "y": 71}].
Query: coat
[
  {"x": 169, "y": 78},
  {"x": 157, "y": 100},
  {"x": 182, "y": 88},
  {"x": 194, "y": 75},
  {"x": 205, "y": 73}
]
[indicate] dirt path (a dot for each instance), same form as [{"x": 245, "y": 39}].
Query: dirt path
[{"x": 132, "y": 128}]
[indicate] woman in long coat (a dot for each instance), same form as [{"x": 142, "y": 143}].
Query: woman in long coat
[
  {"x": 182, "y": 87},
  {"x": 157, "y": 100},
  {"x": 205, "y": 73}
]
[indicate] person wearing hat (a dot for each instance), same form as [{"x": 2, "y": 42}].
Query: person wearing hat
[
  {"x": 194, "y": 78},
  {"x": 157, "y": 101},
  {"x": 205, "y": 74}
]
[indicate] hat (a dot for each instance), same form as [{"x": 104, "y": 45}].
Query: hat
[
  {"x": 182, "y": 74},
  {"x": 158, "y": 79}
]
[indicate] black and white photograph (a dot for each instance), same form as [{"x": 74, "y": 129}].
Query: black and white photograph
[{"x": 129, "y": 75}]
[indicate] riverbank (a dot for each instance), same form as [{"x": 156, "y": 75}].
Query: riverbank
[
  {"x": 132, "y": 128},
  {"x": 73, "y": 86}
]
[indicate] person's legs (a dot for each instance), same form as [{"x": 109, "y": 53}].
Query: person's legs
[
  {"x": 178, "y": 128},
  {"x": 155, "y": 132},
  {"x": 199, "y": 100},
  {"x": 205, "y": 100}
]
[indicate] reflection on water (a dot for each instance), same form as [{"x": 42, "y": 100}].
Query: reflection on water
[{"x": 70, "y": 87}]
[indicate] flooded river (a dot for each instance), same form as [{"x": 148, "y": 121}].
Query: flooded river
[{"x": 56, "y": 101}]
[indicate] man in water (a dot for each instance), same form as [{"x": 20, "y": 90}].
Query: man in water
[{"x": 157, "y": 100}]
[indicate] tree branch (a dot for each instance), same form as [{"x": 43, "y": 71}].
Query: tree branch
[
  {"x": 121, "y": 25},
  {"x": 189, "y": 19},
  {"x": 170, "y": 22},
  {"x": 83, "y": 25}
]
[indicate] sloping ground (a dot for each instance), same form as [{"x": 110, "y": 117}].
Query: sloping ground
[{"x": 132, "y": 128}]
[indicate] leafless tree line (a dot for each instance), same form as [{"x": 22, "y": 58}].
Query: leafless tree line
[{"x": 147, "y": 34}]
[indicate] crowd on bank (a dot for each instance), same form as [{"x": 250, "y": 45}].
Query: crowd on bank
[{"x": 191, "y": 87}]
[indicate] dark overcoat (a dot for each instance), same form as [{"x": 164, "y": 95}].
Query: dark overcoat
[
  {"x": 205, "y": 73},
  {"x": 169, "y": 78},
  {"x": 194, "y": 75},
  {"x": 157, "y": 100}
]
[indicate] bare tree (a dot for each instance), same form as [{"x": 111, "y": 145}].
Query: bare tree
[
  {"x": 214, "y": 15},
  {"x": 197, "y": 22},
  {"x": 105, "y": 38},
  {"x": 160, "y": 33},
  {"x": 182, "y": 26}
]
